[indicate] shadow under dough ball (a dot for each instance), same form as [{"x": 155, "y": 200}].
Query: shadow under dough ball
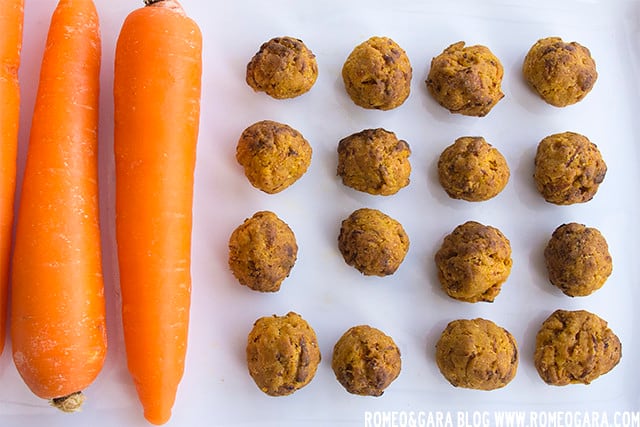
[
  {"x": 560, "y": 73},
  {"x": 262, "y": 252},
  {"x": 374, "y": 161},
  {"x": 568, "y": 168},
  {"x": 577, "y": 259},
  {"x": 373, "y": 242},
  {"x": 575, "y": 347},
  {"x": 466, "y": 80},
  {"x": 282, "y": 354},
  {"x": 473, "y": 262},
  {"x": 377, "y": 74},
  {"x": 283, "y": 68},
  {"x": 366, "y": 361},
  {"x": 477, "y": 354}
]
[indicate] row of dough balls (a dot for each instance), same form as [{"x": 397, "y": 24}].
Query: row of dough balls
[
  {"x": 572, "y": 347},
  {"x": 568, "y": 167},
  {"x": 463, "y": 79},
  {"x": 473, "y": 261}
]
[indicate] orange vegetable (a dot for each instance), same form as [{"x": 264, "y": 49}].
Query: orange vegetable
[
  {"x": 58, "y": 310},
  {"x": 11, "y": 19},
  {"x": 158, "y": 69}
]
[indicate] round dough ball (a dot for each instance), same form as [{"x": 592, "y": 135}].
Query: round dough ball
[
  {"x": 568, "y": 168},
  {"x": 283, "y": 68},
  {"x": 473, "y": 170},
  {"x": 374, "y": 161},
  {"x": 473, "y": 262},
  {"x": 577, "y": 259},
  {"x": 273, "y": 155},
  {"x": 366, "y": 361},
  {"x": 575, "y": 347},
  {"x": 373, "y": 242},
  {"x": 466, "y": 80},
  {"x": 561, "y": 73},
  {"x": 282, "y": 354},
  {"x": 377, "y": 74},
  {"x": 477, "y": 354},
  {"x": 262, "y": 252}
]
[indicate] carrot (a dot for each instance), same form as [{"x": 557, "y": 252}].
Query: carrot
[
  {"x": 158, "y": 69},
  {"x": 11, "y": 19},
  {"x": 58, "y": 309}
]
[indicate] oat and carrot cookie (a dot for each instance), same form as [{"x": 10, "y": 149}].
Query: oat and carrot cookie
[
  {"x": 466, "y": 80},
  {"x": 282, "y": 354},
  {"x": 377, "y": 74},
  {"x": 373, "y": 242},
  {"x": 366, "y": 361},
  {"x": 273, "y": 155},
  {"x": 262, "y": 252},
  {"x": 472, "y": 169},
  {"x": 473, "y": 262},
  {"x": 283, "y": 68},
  {"x": 577, "y": 259},
  {"x": 568, "y": 168},
  {"x": 374, "y": 161},
  {"x": 561, "y": 73},
  {"x": 575, "y": 347},
  {"x": 477, "y": 354}
]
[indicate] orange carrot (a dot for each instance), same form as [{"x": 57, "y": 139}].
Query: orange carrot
[
  {"x": 158, "y": 68},
  {"x": 11, "y": 18},
  {"x": 58, "y": 311}
]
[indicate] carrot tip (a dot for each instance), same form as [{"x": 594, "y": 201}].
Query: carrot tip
[{"x": 69, "y": 404}]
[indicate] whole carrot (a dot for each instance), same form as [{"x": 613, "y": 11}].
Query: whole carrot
[
  {"x": 158, "y": 68},
  {"x": 58, "y": 311},
  {"x": 11, "y": 19}
]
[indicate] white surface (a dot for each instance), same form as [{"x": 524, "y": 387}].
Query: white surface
[{"x": 409, "y": 306}]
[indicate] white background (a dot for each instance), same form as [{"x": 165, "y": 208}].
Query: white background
[{"x": 409, "y": 306}]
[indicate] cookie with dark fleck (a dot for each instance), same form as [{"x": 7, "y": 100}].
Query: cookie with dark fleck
[
  {"x": 366, "y": 361},
  {"x": 575, "y": 347},
  {"x": 282, "y": 354},
  {"x": 472, "y": 169},
  {"x": 284, "y": 67},
  {"x": 561, "y": 73},
  {"x": 466, "y": 80},
  {"x": 473, "y": 262},
  {"x": 373, "y": 242},
  {"x": 477, "y": 354},
  {"x": 374, "y": 161},
  {"x": 377, "y": 74},
  {"x": 568, "y": 168},
  {"x": 577, "y": 259},
  {"x": 273, "y": 155},
  {"x": 262, "y": 252}
]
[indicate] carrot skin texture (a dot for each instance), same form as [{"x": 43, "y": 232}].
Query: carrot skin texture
[
  {"x": 157, "y": 86},
  {"x": 58, "y": 326},
  {"x": 11, "y": 22}
]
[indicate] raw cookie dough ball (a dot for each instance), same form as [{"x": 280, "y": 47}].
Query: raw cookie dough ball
[
  {"x": 282, "y": 354},
  {"x": 372, "y": 242},
  {"x": 471, "y": 169},
  {"x": 374, "y": 161},
  {"x": 283, "y": 68},
  {"x": 365, "y": 361},
  {"x": 473, "y": 262},
  {"x": 568, "y": 168},
  {"x": 466, "y": 80},
  {"x": 273, "y": 155},
  {"x": 377, "y": 74},
  {"x": 578, "y": 259},
  {"x": 561, "y": 73},
  {"x": 477, "y": 354},
  {"x": 262, "y": 252},
  {"x": 575, "y": 347}
]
